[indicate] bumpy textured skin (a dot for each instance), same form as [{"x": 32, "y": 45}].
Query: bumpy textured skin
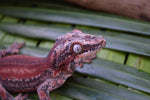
[{"x": 22, "y": 73}]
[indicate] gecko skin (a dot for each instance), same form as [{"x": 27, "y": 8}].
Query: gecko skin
[{"x": 22, "y": 73}]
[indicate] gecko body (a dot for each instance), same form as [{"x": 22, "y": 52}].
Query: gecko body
[{"x": 22, "y": 73}]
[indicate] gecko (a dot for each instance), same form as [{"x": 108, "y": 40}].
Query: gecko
[{"x": 24, "y": 74}]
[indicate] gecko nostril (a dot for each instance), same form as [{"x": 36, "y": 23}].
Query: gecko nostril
[{"x": 104, "y": 42}]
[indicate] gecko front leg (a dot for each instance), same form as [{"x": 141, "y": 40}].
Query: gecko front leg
[
  {"x": 43, "y": 90},
  {"x": 45, "y": 87},
  {"x": 13, "y": 49}
]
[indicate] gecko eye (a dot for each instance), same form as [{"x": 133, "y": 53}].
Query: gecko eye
[{"x": 77, "y": 48}]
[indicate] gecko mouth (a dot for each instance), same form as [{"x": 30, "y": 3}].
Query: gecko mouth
[
  {"x": 89, "y": 47},
  {"x": 90, "y": 50},
  {"x": 94, "y": 47}
]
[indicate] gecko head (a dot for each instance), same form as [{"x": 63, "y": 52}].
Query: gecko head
[{"x": 76, "y": 48}]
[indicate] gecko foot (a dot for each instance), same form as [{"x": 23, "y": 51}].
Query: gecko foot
[
  {"x": 13, "y": 49},
  {"x": 21, "y": 97}
]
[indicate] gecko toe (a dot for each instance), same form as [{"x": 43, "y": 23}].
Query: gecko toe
[{"x": 21, "y": 97}]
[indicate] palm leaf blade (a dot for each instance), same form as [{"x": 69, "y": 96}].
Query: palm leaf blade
[
  {"x": 115, "y": 41},
  {"x": 77, "y": 18}
]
